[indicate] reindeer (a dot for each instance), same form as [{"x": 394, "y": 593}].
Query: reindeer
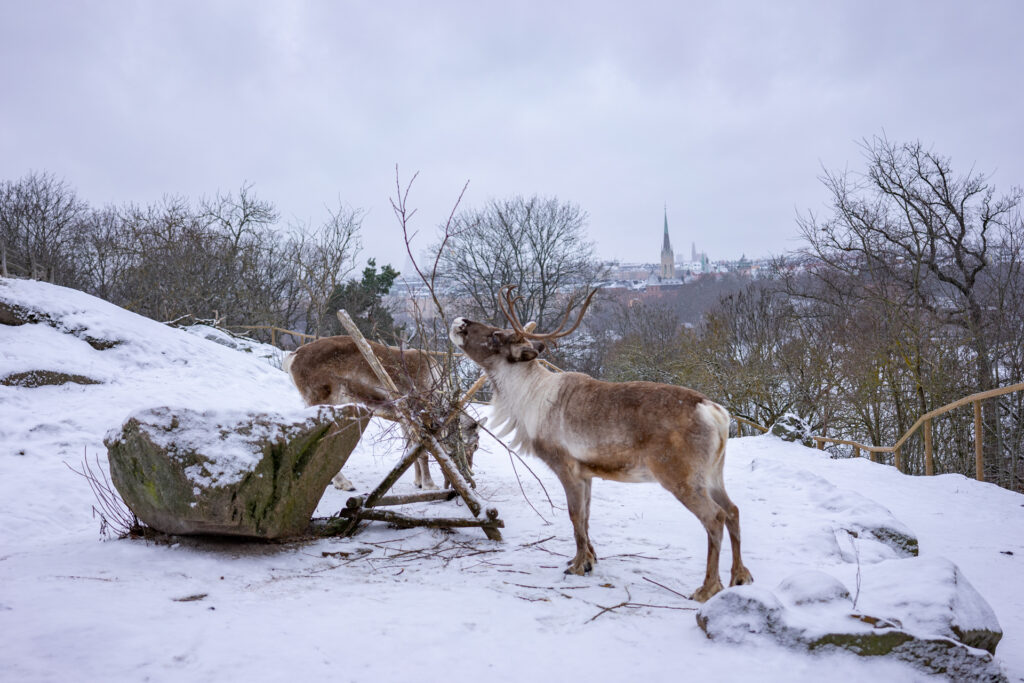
[
  {"x": 630, "y": 432},
  {"x": 332, "y": 371}
]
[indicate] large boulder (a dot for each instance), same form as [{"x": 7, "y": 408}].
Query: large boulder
[
  {"x": 231, "y": 473},
  {"x": 923, "y": 612}
]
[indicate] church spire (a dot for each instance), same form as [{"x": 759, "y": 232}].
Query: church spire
[
  {"x": 668, "y": 266},
  {"x": 666, "y": 244}
]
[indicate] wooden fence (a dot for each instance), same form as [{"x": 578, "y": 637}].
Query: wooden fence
[
  {"x": 274, "y": 331},
  {"x": 924, "y": 422}
]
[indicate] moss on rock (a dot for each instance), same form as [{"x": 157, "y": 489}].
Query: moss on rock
[{"x": 175, "y": 481}]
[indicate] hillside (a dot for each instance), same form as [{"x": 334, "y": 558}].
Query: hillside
[{"x": 398, "y": 604}]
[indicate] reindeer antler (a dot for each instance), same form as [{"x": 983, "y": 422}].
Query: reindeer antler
[{"x": 507, "y": 305}]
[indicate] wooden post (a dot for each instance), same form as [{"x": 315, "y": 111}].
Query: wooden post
[
  {"x": 821, "y": 444},
  {"x": 897, "y": 460},
  {"x": 273, "y": 336},
  {"x": 929, "y": 465},
  {"x": 979, "y": 438},
  {"x": 856, "y": 451}
]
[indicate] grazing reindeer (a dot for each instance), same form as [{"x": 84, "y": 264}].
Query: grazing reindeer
[
  {"x": 332, "y": 370},
  {"x": 629, "y": 431}
]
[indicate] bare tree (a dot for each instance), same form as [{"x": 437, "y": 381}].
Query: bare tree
[
  {"x": 40, "y": 219},
  {"x": 910, "y": 220},
  {"x": 934, "y": 250},
  {"x": 321, "y": 259},
  {"x": 106, "y": 253},
  {"x": 238, "y": 217},
  {"x": 538, "y": 244}
]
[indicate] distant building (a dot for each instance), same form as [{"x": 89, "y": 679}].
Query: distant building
[{"x": 668, "y": 259}]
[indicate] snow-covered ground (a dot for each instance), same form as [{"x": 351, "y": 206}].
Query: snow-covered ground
[{"x": 394, "y": 605}]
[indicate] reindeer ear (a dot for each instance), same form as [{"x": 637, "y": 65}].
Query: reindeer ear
[
  {"x": 539, "y": 346},
  {"x": 520, "y": 353}
]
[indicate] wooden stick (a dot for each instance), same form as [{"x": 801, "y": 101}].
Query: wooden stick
[
  {"x": 458, "y": 482},
  {"x": 364, "y": 347},
  {"x": 929, "y": 465},
  {"x": 979, "y": 438},
  {"x": 399, "y": 519},
  {"x": 396, "y": 472},
  {"x": 422, "y": 497}
]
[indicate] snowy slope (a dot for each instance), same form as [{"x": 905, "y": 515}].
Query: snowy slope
[{"x": 392, "y": 604}]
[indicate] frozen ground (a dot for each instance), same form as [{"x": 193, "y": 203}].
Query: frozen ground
[{"x": 393, "y": 605}]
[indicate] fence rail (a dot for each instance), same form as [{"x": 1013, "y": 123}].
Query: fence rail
[
  {"x": 274, "y": 331},
  {"x": 925, "y": 422}
]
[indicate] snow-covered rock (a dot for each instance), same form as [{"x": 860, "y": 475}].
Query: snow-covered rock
[
  {"x": 228, "y": 473},
  {"x": 858, "y": 530},
  {"x": 792, "y": 427},
  {"x": 921, "y": 611},
  {"x": 930, "y": 595}
]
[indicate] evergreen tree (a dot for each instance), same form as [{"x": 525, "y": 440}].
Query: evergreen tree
[{"x": 364, "y": 301}]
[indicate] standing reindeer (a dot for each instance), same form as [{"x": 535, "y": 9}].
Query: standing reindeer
[
  {"x": 332, "y": 370},
  {"x": 629, "y": 431}
]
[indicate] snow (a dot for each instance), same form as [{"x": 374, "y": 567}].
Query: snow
[
  {"x": 393, "y": 604},
  {"x": 234, "y": 450}
]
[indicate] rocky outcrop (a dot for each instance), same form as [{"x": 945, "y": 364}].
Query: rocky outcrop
[
  {"x": 923, "y": 612},
  {"x": 792, "y": 427},
  {"x": 240, "y": 474},
  {"x": 44, "y": 378},
  {"x": 14, "y": 314}
]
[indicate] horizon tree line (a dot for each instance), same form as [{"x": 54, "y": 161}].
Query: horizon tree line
[{"x": 905, "y": 295}]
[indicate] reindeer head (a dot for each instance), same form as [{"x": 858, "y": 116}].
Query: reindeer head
[{"x": 488, "y": 345}]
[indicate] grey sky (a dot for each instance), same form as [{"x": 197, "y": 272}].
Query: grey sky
[{"x": 724, "y": 111}]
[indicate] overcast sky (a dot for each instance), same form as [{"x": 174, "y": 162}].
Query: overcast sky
[{"x": 726, "y": 112}]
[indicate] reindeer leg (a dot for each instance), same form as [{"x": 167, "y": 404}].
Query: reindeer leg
[
  {"x": 423, "y": 479},
  {"x": 577, "y": 496},
  {"x": 421, "y": 467},
  {"x": 740, "y": 574},
  {"x": 712, "y": 516}
]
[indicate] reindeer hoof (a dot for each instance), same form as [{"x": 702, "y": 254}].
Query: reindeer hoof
[
  {"x": 705, "y": 593},
  {"x": 342, "y": 483},
  {"x": 580, "y": 568},
  {"x": 741, "y": 578}
]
